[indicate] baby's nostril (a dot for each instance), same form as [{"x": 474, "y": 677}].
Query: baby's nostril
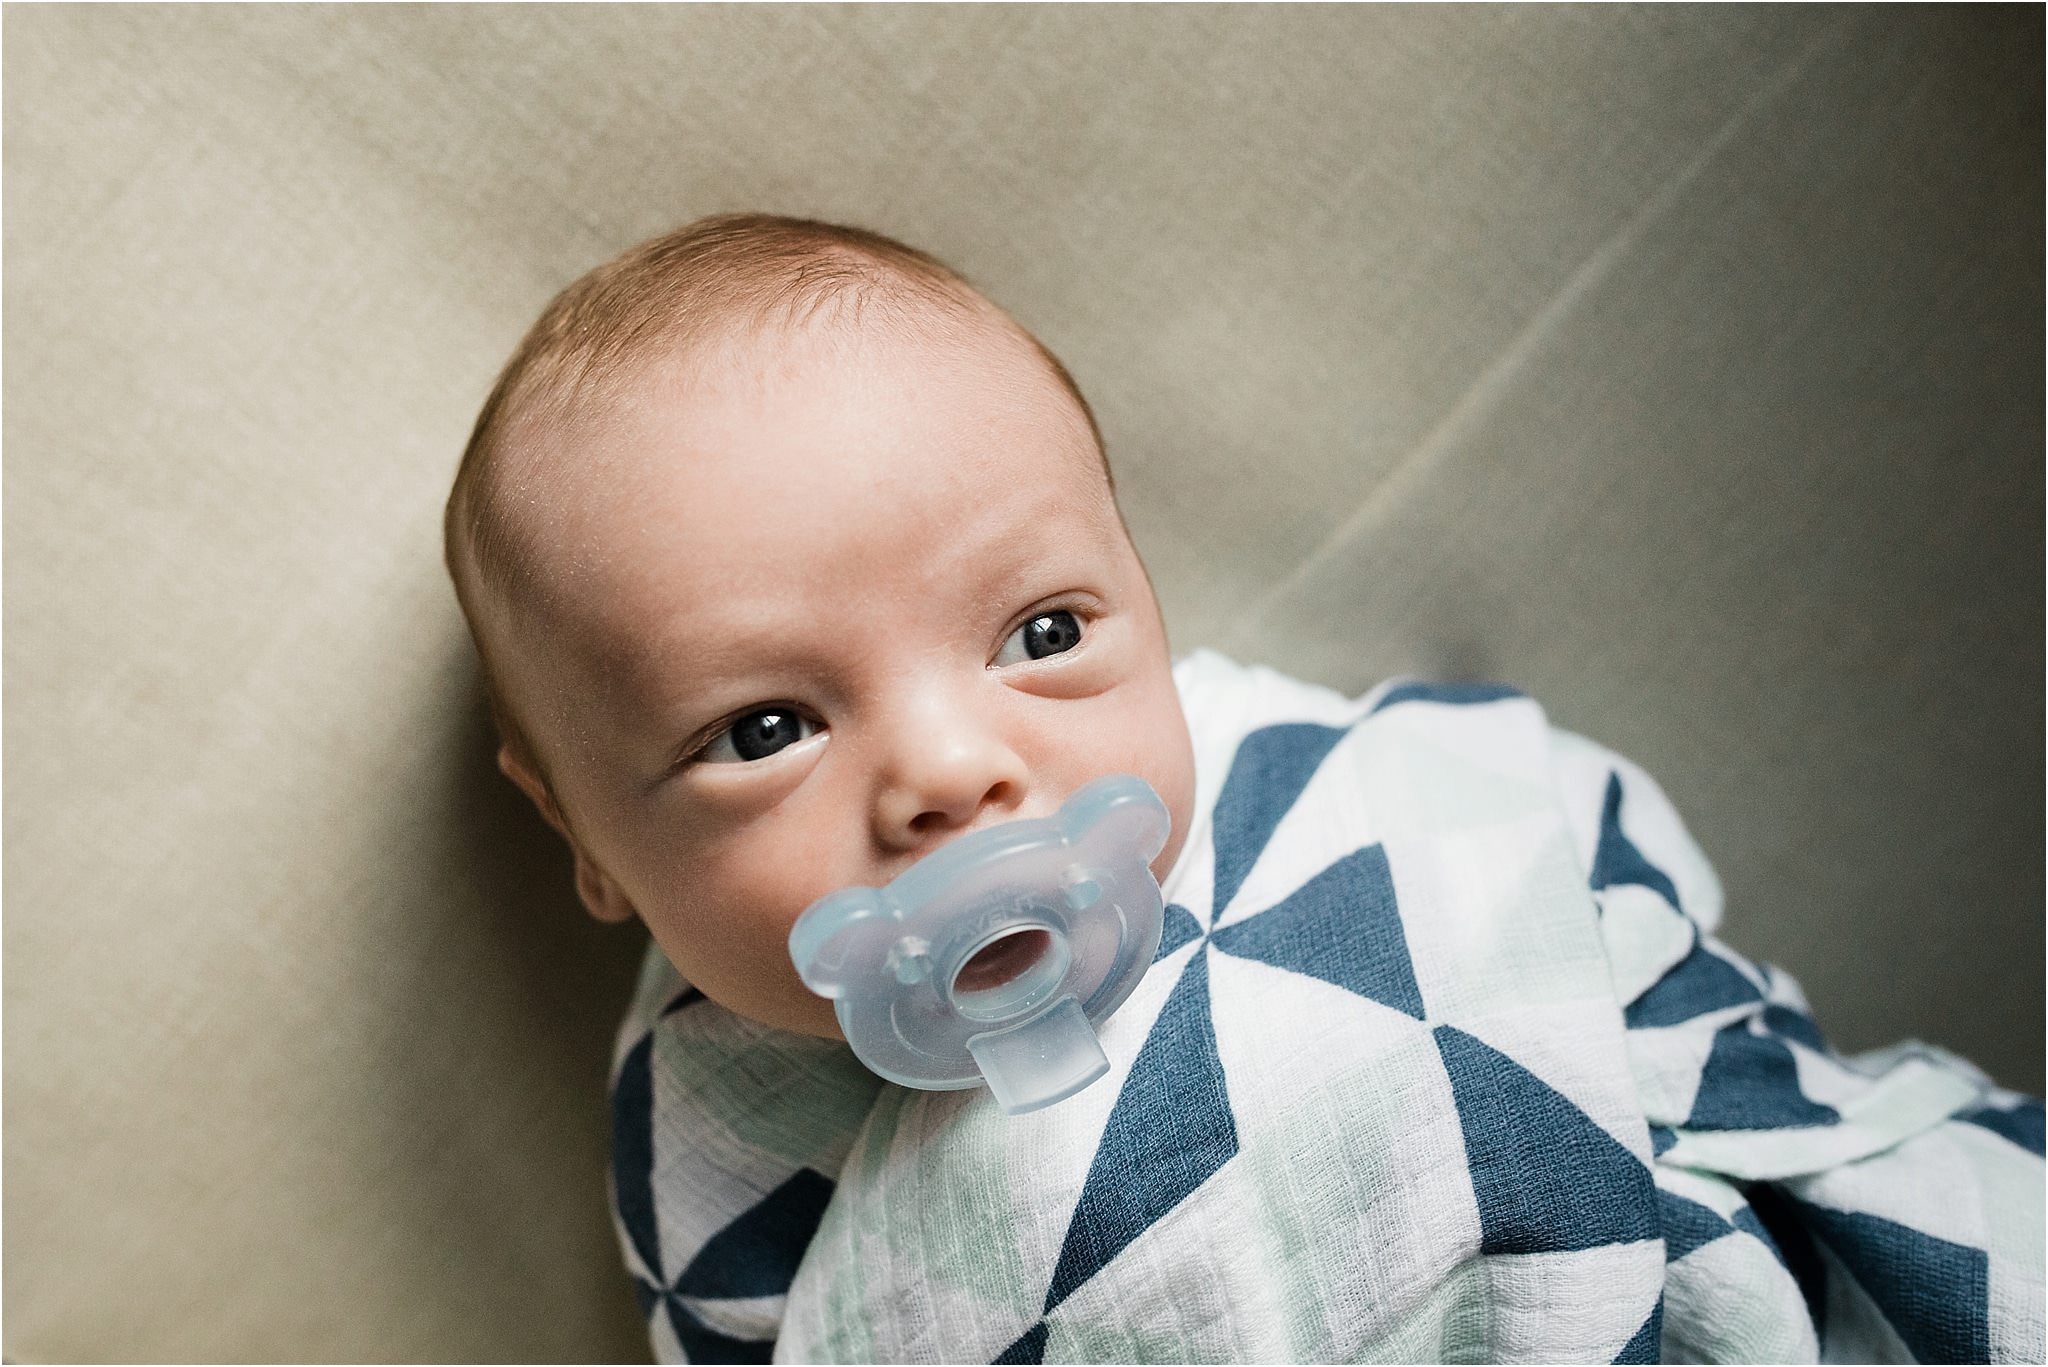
[{"x": 1002, "y": 962}]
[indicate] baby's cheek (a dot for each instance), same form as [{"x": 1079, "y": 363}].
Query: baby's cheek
[
  {"x": 1165, "y": 758},
  {"x": 724, "y": 919},
  {"x": 764, "y": 879},
  {"x": 1149, "y": 728}
]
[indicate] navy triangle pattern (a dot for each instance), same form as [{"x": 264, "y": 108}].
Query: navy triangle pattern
[
  {"x": 1786, "y": 1023},
  {"x": 1746, "y": 1221},
  {"x": 702, "y": 1343},
  {"x": 1751, "y": 1083},
  {"x": 1703, "y": 981},
  {"x": 757, "y": 1253},
  {"x": 1453, "y": 694},
  {"x": 1647, "y": 1345},
  {"x": 1934, "y": 1292},
  {"x": 1342, "y": 926},
  {"x": 1547, "y": 1178},
  {"x": 2021, "y": 1123},
  {"x": 1271, "y": 767},
  {"x": 633, "y": 1153},
  {"x": 1029, "y": 1347},
  {"x": 1179, "y": 928},
  {"x": 1687, "y": 1224},
  {"x": 1777, "y": 1221},
  {"x": 1169, "y": 1131},
  {"x": 1616, "y": 858}
]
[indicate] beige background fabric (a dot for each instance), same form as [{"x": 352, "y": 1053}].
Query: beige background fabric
[{"x": 1680, "y": 365}]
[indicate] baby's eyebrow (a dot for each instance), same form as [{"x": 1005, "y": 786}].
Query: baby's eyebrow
[
  {"x": 716, "y": 648},
  {"x": 709, "y": 654},
  {"x": 714, "y": 644}
]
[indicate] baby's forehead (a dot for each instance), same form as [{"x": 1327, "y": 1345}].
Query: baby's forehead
[
  {"x": 758, "y": 404},
  {"x": 787, "y": 450}
]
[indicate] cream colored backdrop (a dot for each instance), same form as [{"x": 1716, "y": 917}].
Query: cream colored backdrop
[{"x": 1681, "y": 365}]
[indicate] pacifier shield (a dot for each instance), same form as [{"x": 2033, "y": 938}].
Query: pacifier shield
[{"x": 996, "y": 957}]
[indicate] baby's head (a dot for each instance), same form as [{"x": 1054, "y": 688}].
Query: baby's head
[{"x": 790, "y": 558}]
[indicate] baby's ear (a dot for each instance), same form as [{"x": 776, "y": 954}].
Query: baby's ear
[
  {"x": 603, "y": 898},
  {"x": 530, "y": 783}
]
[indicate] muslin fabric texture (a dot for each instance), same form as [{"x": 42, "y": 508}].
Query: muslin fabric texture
[{"x": 1440, "y": 1060}]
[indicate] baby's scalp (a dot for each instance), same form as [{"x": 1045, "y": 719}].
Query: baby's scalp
[{"x": 687, "y": 296}]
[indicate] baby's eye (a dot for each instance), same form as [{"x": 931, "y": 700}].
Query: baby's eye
[
  {"x": 1049, "y": 633},
  {"x": 757, "y": 736}
]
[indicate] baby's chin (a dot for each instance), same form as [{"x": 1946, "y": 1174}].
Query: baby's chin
[{"x": 805, "y": 1014}]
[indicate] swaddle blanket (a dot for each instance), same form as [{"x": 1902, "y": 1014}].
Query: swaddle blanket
[{"x": 1439, "y": 1060}]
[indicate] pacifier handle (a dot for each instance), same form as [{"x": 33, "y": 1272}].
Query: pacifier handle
[{"x": 1045, "y": 1060}]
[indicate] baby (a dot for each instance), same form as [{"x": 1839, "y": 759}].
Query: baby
[
  {"x": 790, "y": 557},
  {"x": 778, "y": 538}
]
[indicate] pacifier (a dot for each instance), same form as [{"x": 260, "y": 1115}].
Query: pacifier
[{"x": 996, "y": 957}]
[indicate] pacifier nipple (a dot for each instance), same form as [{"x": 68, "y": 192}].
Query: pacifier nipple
[{"x": 997, "y": 957}]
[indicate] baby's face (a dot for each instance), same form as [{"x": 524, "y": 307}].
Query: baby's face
[{"x": 813, "y": 612}]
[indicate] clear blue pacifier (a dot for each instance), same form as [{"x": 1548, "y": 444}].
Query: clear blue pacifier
[{"x": 996, "y": 956}]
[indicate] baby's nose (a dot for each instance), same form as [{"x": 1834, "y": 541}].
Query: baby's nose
[{"x": 947, "y": 781}]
